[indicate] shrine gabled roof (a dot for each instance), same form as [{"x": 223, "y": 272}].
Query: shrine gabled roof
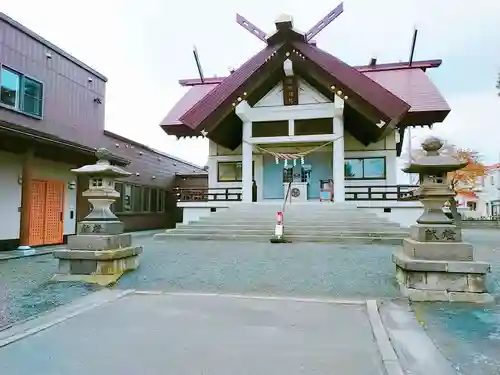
[
  {"x": 381, "y": 103},
  {"x": 388, "y": 104},
  {"x": 195, "y": 116},
  {"x": 409, "y": 83}
]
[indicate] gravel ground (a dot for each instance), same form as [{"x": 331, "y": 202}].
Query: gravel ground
[
  {"x": 470, "y": 335},
  {"x": 25, "y": 290},
  {"x": 299, "y": 269},
  {"x": 467, "y": 335}
]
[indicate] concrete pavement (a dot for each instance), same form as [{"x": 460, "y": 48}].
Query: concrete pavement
[
  {"x": 127, "y": 332},
  {"x": 467, "y": 335}
]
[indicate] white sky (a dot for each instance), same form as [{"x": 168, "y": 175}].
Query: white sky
[{"x": 145, "y": 46}]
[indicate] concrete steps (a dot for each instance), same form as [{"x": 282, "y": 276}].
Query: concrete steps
[
  {"x": 292, "y": 238},
  {"x": 331, "y": 223},
  {"x": 292, "y": 220},
  {"x": 328, "y": 232},
  {"x": 291, "y": 227}
]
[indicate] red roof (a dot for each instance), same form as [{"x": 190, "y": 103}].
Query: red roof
[
  {"x": 383, "y": 100},
  {"x": 209, "y": 103},
  {"x": 410, "y": 84},
  {"x": 413, "y": 86},
  {"x": 189, "y": 99},
  {"x": 361, "y": 89}
]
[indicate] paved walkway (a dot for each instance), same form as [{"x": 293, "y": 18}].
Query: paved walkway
[
  {"x": 156, "y": 333},
  {"x": 467, "y": 335}
]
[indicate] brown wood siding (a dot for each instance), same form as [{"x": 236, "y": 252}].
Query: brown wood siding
[
  {"x": 144, "y": 162},
  {"x": 70, "y": 113},
  {"x": 69, "y": 110},
  {"x": 200, "y": 181}
]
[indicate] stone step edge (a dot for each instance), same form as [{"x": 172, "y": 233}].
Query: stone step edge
[
  {"x": 264, "y": 238},
  {"x": 294, "y": 233}
]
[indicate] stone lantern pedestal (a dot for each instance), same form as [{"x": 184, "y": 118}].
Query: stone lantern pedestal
[
  {"x": 434, "y": 264},
  {"x": 100, "y": 252}
]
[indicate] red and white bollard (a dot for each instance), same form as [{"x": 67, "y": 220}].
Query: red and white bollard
[{"x": 278, "y": 230}]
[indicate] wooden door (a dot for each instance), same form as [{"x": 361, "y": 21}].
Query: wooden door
[
  {"x": 37, "y": 213},
  {"x": 46, "y": 213},
  {"x": 54, "y": 209}
]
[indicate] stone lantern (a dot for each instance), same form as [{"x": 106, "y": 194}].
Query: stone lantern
[
  {"x": 434, "y": 264},
  {"x": 100, "y": 252}
]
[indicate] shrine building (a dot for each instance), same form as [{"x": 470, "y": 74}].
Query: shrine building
[{"x": 296, "y": 117}]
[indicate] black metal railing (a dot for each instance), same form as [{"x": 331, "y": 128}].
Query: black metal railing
[
  {"x": 379, "y": 193},
  {"x": 352, "y": 193},
  {"x": 208, "y": 194}
]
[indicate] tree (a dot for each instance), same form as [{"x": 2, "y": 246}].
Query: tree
[{"x": 465, "y": 181}]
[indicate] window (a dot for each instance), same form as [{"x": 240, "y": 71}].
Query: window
[
  {"x": 154, "y": 200},
  {"x": 146, "y": 199},
  {"x": 32, "y": 97},
  {"x": 472, "y": 206},
  {"x": 127, "y": 198},
  {"x": 229, "y": 171},
  {"x": 118, "y": 205},
  {"x": 161, "y": 201},
  {"x": 20, "y": 92},
  {"x": 232, "y": 171},
  {"x": 10, "y": 88},
  {"x": 136, "y": 198},
  {"x": 365, "y": 168}
]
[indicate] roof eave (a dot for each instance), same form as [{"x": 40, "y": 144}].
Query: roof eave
[
  {"x": 226, "y": 92},
  {"x": 394, "y": 112}
]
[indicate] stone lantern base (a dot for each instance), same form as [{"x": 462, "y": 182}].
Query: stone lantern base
[
  {"x": 97, "y": 258},
  {"x": 435, "y": 265}
]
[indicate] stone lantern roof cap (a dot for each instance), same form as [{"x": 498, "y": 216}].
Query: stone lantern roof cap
[
  {"x": 433, "y": 161},
  {"x": 103, "y": 167}
]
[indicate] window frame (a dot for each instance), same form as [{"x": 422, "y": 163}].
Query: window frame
[
  {"x": 162, "y": 197},
  {"x": 235, "y": 162},
  {"x": 19, "y": 108},
  {"x": 160, "y": 201},
  {"x": 363, "y": 168}
]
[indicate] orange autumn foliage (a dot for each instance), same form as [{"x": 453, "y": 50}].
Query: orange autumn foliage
[{"x": 466, "y": 179}]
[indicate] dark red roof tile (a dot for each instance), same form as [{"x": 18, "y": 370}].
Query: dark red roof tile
[
  {"x": 414, "y": 87},
  {"x": 209, "y": 103},
  {"x": 379, "y": 97},
  {"x": 188, "y": 100},
  {"x": 411, "y": 85}
]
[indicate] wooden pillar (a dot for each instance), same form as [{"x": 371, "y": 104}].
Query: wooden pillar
[
  {"x": 27, "y": 178},
  {"x": 338, "y": 152}
]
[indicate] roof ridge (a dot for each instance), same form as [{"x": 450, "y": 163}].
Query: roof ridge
[
  {"x": 221, "y": 93},
  {"x": 383, "y": 106},
  {"x": 421, "y": 64},
  {"x": 148, "y": 148}
]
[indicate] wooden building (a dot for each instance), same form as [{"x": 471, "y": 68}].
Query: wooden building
[
  {"x": 295, "y": 118},
  {"x": 52, "y": 120}
]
